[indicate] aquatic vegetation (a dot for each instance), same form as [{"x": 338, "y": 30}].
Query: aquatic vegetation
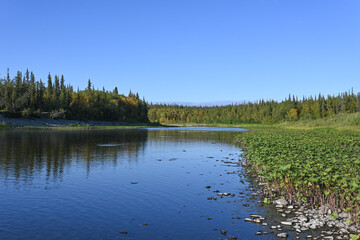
[{"x": 319, "y": 166}]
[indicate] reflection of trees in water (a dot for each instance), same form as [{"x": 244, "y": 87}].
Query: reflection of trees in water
[
  {"x": 165, "y": 135},
  {"x": 24, "y": 154}
]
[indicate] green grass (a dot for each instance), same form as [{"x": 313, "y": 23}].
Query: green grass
[
  {"x": 319, "y": 165},
  {"x": 340, "y": 121}
]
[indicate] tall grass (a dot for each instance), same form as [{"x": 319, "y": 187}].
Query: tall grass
[{"x": 338, "y": 121}]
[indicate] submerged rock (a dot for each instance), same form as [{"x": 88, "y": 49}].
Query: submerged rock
[
  {"x": 281, "y": 235},
  {"x": 223, "y": 232}
]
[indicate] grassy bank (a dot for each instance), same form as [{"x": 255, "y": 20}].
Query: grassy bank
[
  {"x": 318, "y": 166},
  {"x": 339, "y": 121}
]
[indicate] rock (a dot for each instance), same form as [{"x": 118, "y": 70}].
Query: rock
[
  {"x": 282, "y": 235},
  {"x": 209, "y": 218},
  {"x": 352, "y": 229},
  {"x": 279, "y": 206},
  {"x": 264, "y": 224},
  {"x": 223, "y": 232},
  {"x": 226, "y": 194},
  {"x": 290, "y": 207},
  {"x": 248, "y": 220},
  {"x": 329, "y": 237},
  {"x": 258, "y": 233},
  {"x": 255, "y": 216},
  {"x": 343, "y": 231},
  {"x": 286, "y": 223},
  {"x": 280, "y": 201},
  {"x": 207, "y": 187},
  {"x": 245, "y": 204},
  {"x": 257, "y": 220},
  {"x": 340, "y": 225},
  {"x": 303, "y": 218},
  {"x": 343, "y": 215}
]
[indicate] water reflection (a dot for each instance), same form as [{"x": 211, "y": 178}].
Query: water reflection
[{"x": 26, "y": 154}]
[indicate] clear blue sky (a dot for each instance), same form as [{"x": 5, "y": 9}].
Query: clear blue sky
[{"x": 187, "y": 50}]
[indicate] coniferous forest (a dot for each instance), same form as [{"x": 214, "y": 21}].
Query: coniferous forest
[
  {"x": 263, "y": 111},
  {"x": 24, "y": 96}
]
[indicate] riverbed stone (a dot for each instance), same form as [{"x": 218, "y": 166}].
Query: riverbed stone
[
  {"x": 343, "y": 215},
  {"x": 280, "y": 201},
  {"x": 282, "y": 235}
]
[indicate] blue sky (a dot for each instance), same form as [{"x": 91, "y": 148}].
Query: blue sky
[{"x": 190, "y": 50}]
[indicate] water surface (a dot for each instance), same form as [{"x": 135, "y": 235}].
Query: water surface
[{"x": 123, "y": 184}]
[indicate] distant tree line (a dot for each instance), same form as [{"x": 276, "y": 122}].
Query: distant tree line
[
  {"x": 23, "y": 96},
  {"x": 263, "y": 111}
]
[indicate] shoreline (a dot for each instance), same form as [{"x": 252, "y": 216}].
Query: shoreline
[
  {"x": 49, "y": 123},
  {"x": 300, "y": 216}
]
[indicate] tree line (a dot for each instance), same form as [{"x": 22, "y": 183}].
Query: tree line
[
  {"x": 24, "y": 96},
  {"x": 262, "y": 111}
]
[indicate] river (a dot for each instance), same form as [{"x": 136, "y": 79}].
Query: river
[{"x": 155, "y": 183}]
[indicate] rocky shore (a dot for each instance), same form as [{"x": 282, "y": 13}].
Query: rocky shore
[
  {"x": 49, "y": 122},
  {"x": 303, "y": 219}
]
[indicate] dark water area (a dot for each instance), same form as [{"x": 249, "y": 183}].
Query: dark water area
[{"x": 125, "y": 184}]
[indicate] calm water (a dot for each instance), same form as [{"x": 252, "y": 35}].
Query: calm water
[{"x": 123, "y": 184}]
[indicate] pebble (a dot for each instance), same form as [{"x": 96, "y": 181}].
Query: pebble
[
  {"x": 281, "y": 235},
  {"x": 257, "y": 220},
  {"x": 281, "y": 201}
]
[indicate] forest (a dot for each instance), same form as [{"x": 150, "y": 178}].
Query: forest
[
  {"x": 263, "y": 111},
  {"x": 24, "y": 96}
]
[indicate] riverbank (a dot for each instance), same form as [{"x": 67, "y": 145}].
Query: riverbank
[
  {"x": 11, "y": 123},
  {"x": 314, "y": 169}
]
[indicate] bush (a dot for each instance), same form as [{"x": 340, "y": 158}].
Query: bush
[
  {"x": 27, "y": 113},
  {"x": 58, "y": 114}
]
